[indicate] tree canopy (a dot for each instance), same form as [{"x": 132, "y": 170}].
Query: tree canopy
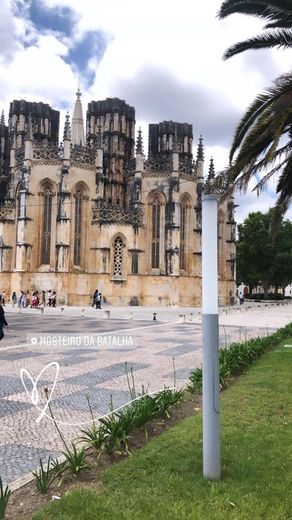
[{"x": 258, "y": 258}]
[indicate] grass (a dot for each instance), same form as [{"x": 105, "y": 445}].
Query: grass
[{"x": 164, "y": 479}]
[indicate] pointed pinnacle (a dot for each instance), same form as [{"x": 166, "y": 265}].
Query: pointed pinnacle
[
  {"x": 2, "y": 120},
  {"x": 67, "y": 132},
  {"x": 139, "y": 144},
  {"x": 211, "y": 174},
  {"x": 200, "y": 152}
]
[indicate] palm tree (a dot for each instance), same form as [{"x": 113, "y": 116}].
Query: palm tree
[
  {"x": 263, "y": 138},
  {"x": 278, "y": 32}
]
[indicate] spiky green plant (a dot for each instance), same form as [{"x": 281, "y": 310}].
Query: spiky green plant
[
  {"x": 4, "y": 497},
  {"x": 75, "y": 459},
  {"x": 44, "y": 476}
]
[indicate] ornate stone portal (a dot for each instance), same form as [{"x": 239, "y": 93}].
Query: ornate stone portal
[{"x": 94, "y": 213}]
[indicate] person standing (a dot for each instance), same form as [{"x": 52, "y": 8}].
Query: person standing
[
  {"x": 3, "y": 322},
  {"x": 3, "y": 298}
]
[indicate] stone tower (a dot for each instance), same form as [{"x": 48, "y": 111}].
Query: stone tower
[
  {"x": 115, "y": 120},
  {"x": 44, "y": 121}
]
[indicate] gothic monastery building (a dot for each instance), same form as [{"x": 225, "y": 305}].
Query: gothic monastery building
[{"x": 95, "y": 213}]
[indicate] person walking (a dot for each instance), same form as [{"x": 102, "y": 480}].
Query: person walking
[
  {"x": 49, "y": 298},
  {"x": 3, "y": 298},
  {"x": 99, "y": 298},
  {"x": 14, "y": 299},
  {"x": 3, "y": 322},
  {"x": 43, "y": 301},
  {"x": 53, "y": 299},
  {"x": 94, "y": 297}
]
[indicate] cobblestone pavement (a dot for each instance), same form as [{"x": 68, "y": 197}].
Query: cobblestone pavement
[{"x": 93, "y": 369}]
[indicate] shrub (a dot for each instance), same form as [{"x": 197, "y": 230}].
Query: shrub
[{"x": 238, "y": 356}]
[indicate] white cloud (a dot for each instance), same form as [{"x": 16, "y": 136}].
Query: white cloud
[{"x": 184, "y": 41}]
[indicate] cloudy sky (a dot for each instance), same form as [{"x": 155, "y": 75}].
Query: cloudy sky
[{"x": 165, "y": 58}]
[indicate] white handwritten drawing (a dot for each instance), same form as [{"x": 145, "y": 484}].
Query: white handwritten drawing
[{"x": 34, "y": 394}]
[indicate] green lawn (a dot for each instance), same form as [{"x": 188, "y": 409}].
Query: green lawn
[{"x": 164, "y": 479}]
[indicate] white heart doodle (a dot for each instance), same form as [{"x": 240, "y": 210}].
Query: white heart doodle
[{"x": 34, "y": 395}]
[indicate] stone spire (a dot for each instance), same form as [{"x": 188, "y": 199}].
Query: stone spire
[
  {"x": 67, "y": 131},
  {"x": 139, "y": 145},
  {"x": 200, "y": 152},
  {"x": 211, "y": 174},
  {"x": 77, "y": 122}
]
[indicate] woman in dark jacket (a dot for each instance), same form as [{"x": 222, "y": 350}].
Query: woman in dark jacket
[{"x": 3, "y": 321}]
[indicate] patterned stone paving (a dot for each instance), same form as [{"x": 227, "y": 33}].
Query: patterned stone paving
[{"x": 97, "y": 373}]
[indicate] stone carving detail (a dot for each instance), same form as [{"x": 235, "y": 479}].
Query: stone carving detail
[
  {"x": 161, "y": 163},
  {"x": 186, "y": 165},
  {"x": 48, "y": 152},
  {"x": 81, "y": 154},
  {"x": 6, "y": 208},
  {"x": 19, "y": 155},
  {"x": 118, "y": 257},
  {"x": 103, "y": 214}
]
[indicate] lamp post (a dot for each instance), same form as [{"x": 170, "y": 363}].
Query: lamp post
[{"x": 210, "y": 326}]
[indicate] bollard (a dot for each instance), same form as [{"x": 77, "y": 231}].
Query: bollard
[
  {"x": 62, "y": 310},
  {"x": 154, "y": 316},
  {"x": 42, "y": 310},
  {"x": 131, "y": 315},
  {"x": 107, "y": 314},
  {"x": 82, "y": 313}
]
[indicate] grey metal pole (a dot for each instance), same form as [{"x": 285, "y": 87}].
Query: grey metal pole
[{"x": 210, "y": 324}]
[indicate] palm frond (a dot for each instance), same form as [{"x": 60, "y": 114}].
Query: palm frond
[
  {"x": 281, "y": 38},
  {"x": 261, "y": 184},
  {"x": 277, "y": 93},
  {"x": 274, "y": 9},
  {"x": 279, "y": 211}
]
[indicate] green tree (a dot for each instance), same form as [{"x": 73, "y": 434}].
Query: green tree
[
  {"x": 258, "y": 259},
  {"x": 257, "y": 144}
]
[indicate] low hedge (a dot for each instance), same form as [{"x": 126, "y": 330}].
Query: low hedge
[
  {"x": 261, "y": 296},
  {"x": 237, "y": 357}
]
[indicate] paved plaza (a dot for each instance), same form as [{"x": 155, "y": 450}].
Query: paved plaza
[{"x": 94, "y": 354}]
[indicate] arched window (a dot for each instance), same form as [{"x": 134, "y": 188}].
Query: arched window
[
  {"x": 118, "y": 257},
  {"x": 77, "y": 227},
  {"x": 46, "y": 226},
  {"x": 183, "y": 229},
  {"x": 155, "y": 242}
]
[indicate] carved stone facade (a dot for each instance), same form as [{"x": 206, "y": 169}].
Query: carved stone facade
[{"x": 94, "y": 212}]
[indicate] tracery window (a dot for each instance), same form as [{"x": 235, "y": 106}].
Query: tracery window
[
  {"x": 118, "y": 257},
  {"x": 183, "y": 235},
  {"x": 155, "y": 242},
  {"x": 47, "y": 226},
  {"x": 77, "y": 227}
]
